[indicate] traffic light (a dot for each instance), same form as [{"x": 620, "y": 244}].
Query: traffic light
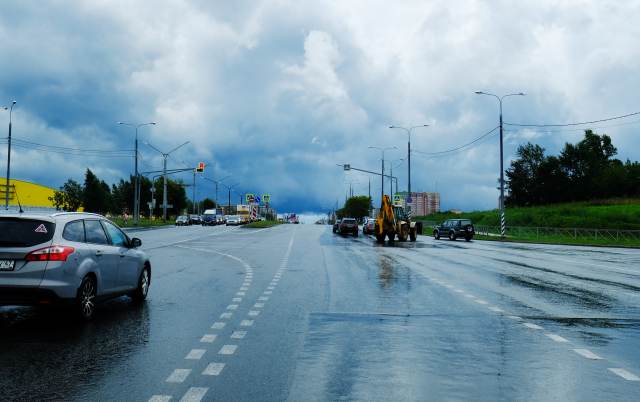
[{"x": 200, "y": 167}]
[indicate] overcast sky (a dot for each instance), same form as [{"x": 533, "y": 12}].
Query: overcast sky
[{"x": 276, "y": 93}]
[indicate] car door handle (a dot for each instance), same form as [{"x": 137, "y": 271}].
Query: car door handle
[
  {"x": 122, "y": 255},
  {"x": 99, "y": 253}
]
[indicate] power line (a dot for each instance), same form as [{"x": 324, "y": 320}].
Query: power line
[
  {"x": 573, "y": 124},
  {"x": 458, "y": 148},
  {"x": 567, "y": 130},
  {"x": 34, "y": 145}
]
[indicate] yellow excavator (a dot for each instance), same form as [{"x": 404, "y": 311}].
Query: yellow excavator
[{"x": 391, "y": 221}]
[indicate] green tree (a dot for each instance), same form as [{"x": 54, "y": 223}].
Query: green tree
[
  {"x": 96, "y": 194},
  {"x": 176, "y": 196},
  {"x": 208, "y": 203},
  {"x": 355, "y": 207},
  {"x": 69, "y": 197}
]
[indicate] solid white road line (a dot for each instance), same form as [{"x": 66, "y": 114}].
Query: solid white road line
[
  {"x": 246, "y": 323},
  {"x": 238, "y": 334},
  {"x": 557, "y": 338},
  {"x": 228, "y": 350},
  {"x": 208, "y": 338},
  {"x": 587, "y": 354},
  {"x": 226, "y": 316},
  {"x": 532, "y": 326},
  {"x": 160, "y": 398},
  {"x": 194, "y": 394},
  {"x": 178, "y": 375},
  {"x": 218, "y": 325},
  {"x": 195, "y": 354},
  {"x": 213, "y": 369},
  {"x": 625, "y": 374}
]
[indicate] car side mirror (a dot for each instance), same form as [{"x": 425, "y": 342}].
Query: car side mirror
[{"x": 135, "y": 242}]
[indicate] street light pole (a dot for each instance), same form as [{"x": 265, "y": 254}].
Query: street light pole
[
  {"x": 503, "y": 222},
  {"x": 409, "y": 130},
  {"x": 382, "y": 177},
  {"x": 165, "y": 155},
  {"x": 6, "y": 190},
  {"x": 137, "y": 186}
]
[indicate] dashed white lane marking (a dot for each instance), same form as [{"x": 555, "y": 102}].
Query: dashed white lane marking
[
  {"x": 238, "y": 334},
  {"x": 228, "y": 350},
  {"x": 246, "y": 323},
  {"x": 195, "y": 354},
  {"x": 624, "y": 374},
  {"x": 268, "y": 292},
  {"x": 254, "y": 313},
  {"x": 557, "y": 338},
  {"x": 244, "y": 288},
  {"x": 240, "y": 294},
  {"x": 208, "y": 338},
  {"x": 532, "y": 326},
  {"x": 258, "y": 305},
  {"x": 178, "y": 375},
  {"x": 226, "y": 316},
  {"x": 459, "y": 291},
  {"x": 586, "y": 353},
  {"x": 480, "y": 301},
  {"x": 270, "y": 287},
  {"x": 160, "y": 398},
  {"x": 470, "y": 296},
  {"x": 263, "y": 298},
  {"x": 514, "y": 317},
  {"x": 218, "y": 325},
  {"x": 496, "y": 309},
  {"x": 194, "y": 394},
  {"x": 237, "y": 300},
  {"x": 213, "y": 369},
  {"x": 232, "y": 307}
]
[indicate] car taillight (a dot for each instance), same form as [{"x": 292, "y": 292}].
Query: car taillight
[{"x": 52, "y": 253}]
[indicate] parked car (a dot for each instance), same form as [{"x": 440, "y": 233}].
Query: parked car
[
  {"x": 348, "y": 226},
  {"x": 220, "y": 219},
  {"x": 454, "y": 228},
  {"x": 336, "y": 225},
  {"x": 69, "y": 258},
  {"x": 182, "y": 220},
  {"x": 233, "y": 220},
  {"x": 368, "y": 225},
  {"x": 195, "y": 220}
]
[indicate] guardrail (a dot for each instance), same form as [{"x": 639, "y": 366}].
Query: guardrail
[{"x": 572, "y": 233}]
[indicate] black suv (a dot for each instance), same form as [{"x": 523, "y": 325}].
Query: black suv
[{"x": 454, "y": 228}]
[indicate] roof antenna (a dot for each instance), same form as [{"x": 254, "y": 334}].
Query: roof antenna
[{"x": 18, "y": 199}]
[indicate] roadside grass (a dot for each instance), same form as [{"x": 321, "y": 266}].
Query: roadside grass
[
  {"x": 261, "y": 224},
  {"x": 549, "y": 239},
  {"x": 621, "y": 214},
  {"x": 144, "y": 222}
]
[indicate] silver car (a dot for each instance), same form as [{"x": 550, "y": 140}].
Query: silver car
[{"x": 75, "y": 258}]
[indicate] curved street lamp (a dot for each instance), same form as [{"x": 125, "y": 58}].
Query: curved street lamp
[
  {"x": 165, "y": 155},
  {"x": 408, "y": 131},
  {"x": 382, "y": 152},
  {"x": 503, "y": 223},
  {"x": 6, "y": 190}
]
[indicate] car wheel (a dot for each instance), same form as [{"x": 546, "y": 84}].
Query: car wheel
[
  {"x": 452, "y": 236},
  {"x": 144, "y": 282},
  {"x": 355, "y": 234},
  {"x": 468, "y": 238},
  {"x": 413, "y": 234},
  {"x": 380, "y": 238},
  {"x": 436, "y": 235},
  {"x": 86, "y": 299}
]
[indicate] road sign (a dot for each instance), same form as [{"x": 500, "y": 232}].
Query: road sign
[
  {"x": 250, "y": 198},
  {"x": 266, "y": 198},
  {"x": 347, "y": 167},
  {"x": 397, "y": 200},
  {"x": 409, "y": 200},
  {"x": 257, "y": 199},
  {"x": 200, "y": 167}
]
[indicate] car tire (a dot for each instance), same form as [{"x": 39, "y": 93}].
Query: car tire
[
  {"x": 141, "y": 292},
  {"x": 436, "y": 235},
  {"x": 355, "y": 234},
  {"x": 86, "y": 298},
  {"x": 380, "y": 238},
  {"x": 452, "y": 236},
  {"x": 413, "y": 234},
  {"x": 468, "y": 238}
]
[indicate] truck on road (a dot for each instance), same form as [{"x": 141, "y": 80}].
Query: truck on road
[{"x": 393, "y": 221}]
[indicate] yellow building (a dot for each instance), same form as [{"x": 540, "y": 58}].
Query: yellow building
[{"x": 29, "y": 194}]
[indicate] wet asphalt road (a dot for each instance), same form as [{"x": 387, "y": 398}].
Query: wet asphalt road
[{"x": 298, "y": 313}]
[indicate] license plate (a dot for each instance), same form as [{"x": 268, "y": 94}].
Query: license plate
[{"x": 7, "y": 265}]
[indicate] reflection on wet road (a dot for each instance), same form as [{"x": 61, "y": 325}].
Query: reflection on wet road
[{"x": 298, "y": 313}]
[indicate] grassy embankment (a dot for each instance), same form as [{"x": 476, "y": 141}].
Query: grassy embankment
[
  {"x": 618, "y": 214},
  {"x": 261, "y": 224},
  {"x": 144, "y": 222}
]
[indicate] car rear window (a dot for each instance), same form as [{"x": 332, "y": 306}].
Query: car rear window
[
  {"x": 15, "y": 232},
  {"x": 465, "y": 222},
  {"x": 348, "y": 221}
]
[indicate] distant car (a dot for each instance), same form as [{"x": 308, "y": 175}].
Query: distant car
[
  {"x": 209, "y": 220},
  {"x": 454, "y": 228},
  {"x": 233, "y": 220},
  {"x": 182, "y": 220},
  {"x": 368, "y": 225},
  {"x": 69, "y": 258},
  {"x": 220, "y": 219},
  {"x": 348, "y": 226},
  {"x": 336, "y": 225},
  {"x": 195, "y": 220}
]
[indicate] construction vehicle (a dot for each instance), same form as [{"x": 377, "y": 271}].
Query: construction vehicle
[{"x": 393, "y": 221}]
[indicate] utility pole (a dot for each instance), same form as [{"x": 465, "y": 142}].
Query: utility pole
[
  {"x": 137, "y": 185},
  {"x": 6, "y": 190},
  {"x": 194, "y": 192},
  {"x": 382, "y": 177},
  {"x": 503, "y": 222},
  {"x": 408, "y": 131}
]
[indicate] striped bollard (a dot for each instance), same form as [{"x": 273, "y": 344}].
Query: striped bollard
[{"x": 503, "y": 224}]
